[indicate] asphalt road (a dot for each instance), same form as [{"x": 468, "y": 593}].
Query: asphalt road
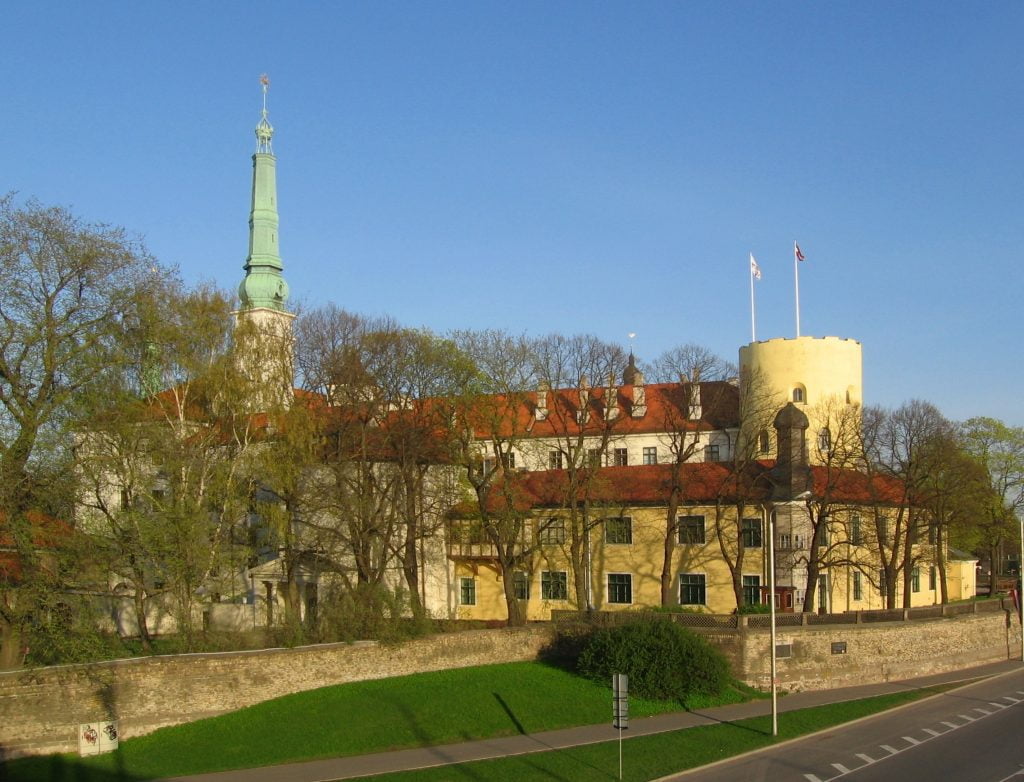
[{"x": 972, "y": 734}]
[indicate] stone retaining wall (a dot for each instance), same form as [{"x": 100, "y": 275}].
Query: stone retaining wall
[{"x": 40, "y": 709}]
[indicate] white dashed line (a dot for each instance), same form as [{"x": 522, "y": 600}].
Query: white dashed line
[{"x": 913, "y": 742}]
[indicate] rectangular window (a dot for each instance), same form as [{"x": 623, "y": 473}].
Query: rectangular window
[
  {"x": 594, "y": 457},
  {"x": 621, "y": 457},
  {"x": 691, "y": 530},
  {"x": 855, "y": 533},
  {"x": 751, "y": 590},
  {"x": 467, "y": 591},
  {"x": 823, "y": 593},
  {"x": 824, "y": 535},
  {"x": 554, "y": 460},
  {"x": 933, "y": 534},
  {"x": 915, "y": 580},
  {"x": 521, "y": 585},
  {"x": 785, "y": 541},
  {"x": 508, "y": 460},
  {"x": 552, "y": 530},
  {"x": 883, "y": 529},
  {"x": 751, "y": 533},
  {"x": 650, "y": 455},
  {"x": 487, "y": 465},
  {"x": 712, "y": 453},
  {"x": 692, "y": 589},
  {"x": 618, "y": 530},
  {"x": 620, "y": 588},
  {"x": 931, "y": 578},
  {"x": 858, "y": 587},
  {"x": 554, "y": 585}
]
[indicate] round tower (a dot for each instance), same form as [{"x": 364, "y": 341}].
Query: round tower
[{"x": 822, "y": 376}]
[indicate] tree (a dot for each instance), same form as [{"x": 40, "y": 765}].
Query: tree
[
  {"x": 583, "y": 419},
  {"x": 490, "y": 426},
  {"x": 1000, "y": 450},
  {"x": 70, "y": 290}
]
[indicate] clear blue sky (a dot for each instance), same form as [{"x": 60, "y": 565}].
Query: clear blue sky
[{"x": 600, "y": 167}]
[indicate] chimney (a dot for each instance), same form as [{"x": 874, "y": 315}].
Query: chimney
[
  {"x": 639, "y": 409},
  {"x": 540, "y": 413},
  {"x": 611, "y": 400},
  {"x": 583, "y": 413}
]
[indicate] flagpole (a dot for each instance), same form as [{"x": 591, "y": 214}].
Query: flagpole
[
  {"x": 753, "y": 317},
  {"x": 796, "y": 278}
]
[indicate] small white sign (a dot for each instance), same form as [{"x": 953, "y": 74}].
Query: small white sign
[{"x": 95, "y": 738}]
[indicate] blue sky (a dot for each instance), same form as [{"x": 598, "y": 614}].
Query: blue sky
[{"x": 601, "y": 167}]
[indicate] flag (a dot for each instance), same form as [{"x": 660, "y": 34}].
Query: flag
[
  {"x": 754, "y": 268},
  {"x": 796, "y": 252}
]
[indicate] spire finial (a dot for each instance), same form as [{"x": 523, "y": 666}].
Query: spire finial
[{"x": 264, "y": 130}]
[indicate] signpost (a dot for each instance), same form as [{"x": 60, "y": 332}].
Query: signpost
[{"x": 620, "y": 708}]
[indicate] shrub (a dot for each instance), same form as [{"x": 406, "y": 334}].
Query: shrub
[{"x": 662, "y": 660}]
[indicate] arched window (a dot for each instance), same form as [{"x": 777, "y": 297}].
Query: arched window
[
  {"x": 799, "y": 394},
  {"x": 764, "y": 443},
  {"x": 825, "y": 440}
]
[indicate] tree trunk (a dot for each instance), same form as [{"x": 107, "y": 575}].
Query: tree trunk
[{"x": 668, "y": 595}]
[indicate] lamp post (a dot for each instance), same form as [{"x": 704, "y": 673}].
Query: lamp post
[{"x": 771, "y": 613}]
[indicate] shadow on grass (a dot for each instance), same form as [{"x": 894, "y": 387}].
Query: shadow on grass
[
  {"x": 509, "y": 712},
  {"x": 63, "y": 768}
]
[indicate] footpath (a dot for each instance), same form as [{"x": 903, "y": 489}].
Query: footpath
[{"x": 426, "y": 757}]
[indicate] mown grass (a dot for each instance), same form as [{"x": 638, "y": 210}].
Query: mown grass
[
  {"x": 650, "y": 757},
  {"x": 359, "y": 718}
]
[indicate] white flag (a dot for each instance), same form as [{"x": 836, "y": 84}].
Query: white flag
[{"x": 754, "y": 268}]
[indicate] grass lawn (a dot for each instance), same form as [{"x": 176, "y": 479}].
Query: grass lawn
[
  {"x": 650, "y": 757},
  {"x": 363, "y": 717}
]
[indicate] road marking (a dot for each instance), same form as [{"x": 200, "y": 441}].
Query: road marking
[{"x": 913, "y": 742}]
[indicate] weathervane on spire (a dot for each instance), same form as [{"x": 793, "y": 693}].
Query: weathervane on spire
[{"x": 264, "y": 130}]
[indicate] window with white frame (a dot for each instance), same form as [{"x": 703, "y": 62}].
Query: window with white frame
[
  {"x": 521, "y": 585},
  {"x": 618, "y": 529},
  {"x": 555, "y": 460},
  {"x": 692, "y": 589},
  {"x": 650, "y": 454},
  {"x": 712, "y": 453},
  {"x": 551, "y": 530},
  {"x": 467, "y": 591},
  {"x": 620, "y": 588},
  {"x": 858, "y": 587},
  {"x": 691, "y": 530},
  {"x": 554, "y": 585},
  {"x": 751, "y": 590},
  {"x": 751, "y": 533},
  {"x": 620, "y": 457}
]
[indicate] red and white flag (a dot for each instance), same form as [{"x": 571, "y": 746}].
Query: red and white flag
[
  {"x": 796, "y": 252},
  {"x": 754, "y": 268}
]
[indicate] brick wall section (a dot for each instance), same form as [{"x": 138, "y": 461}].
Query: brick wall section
[{"x": 40, "y": 709}]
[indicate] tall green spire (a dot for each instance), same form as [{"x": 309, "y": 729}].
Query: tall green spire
[{"x": 264, "y": 284}]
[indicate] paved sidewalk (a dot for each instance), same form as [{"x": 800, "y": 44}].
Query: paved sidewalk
[{"x": 424, "y": 757}]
